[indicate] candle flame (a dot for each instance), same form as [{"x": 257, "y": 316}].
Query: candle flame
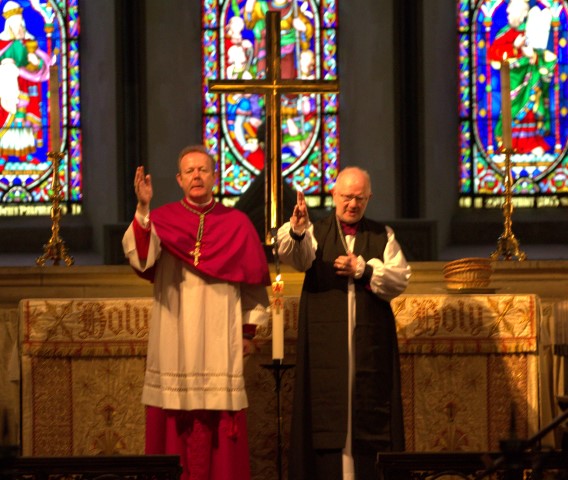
[{"x": 278, "y": 277}]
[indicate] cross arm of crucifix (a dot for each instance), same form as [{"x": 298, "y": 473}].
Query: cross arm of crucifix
[{"x": 272, "y": 87}]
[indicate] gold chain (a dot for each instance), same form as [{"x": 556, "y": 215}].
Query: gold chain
[
  {"x": 342, "y": 236},
  {"x": 196, "y": 252}
]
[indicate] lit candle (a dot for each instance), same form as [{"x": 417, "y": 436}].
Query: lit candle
[
  {"x": 54, "y": 107},
  {"x": 277, "y": 310},
  {"x": 506, "y": 122}
]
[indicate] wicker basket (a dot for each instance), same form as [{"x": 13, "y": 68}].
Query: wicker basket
[{"x": 466, "y": 273}]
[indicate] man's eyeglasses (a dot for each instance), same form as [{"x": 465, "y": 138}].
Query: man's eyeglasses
[{"x": 357, "y": 198}]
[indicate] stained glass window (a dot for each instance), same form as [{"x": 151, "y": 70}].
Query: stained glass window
[
  {"x": 532, "y": 35},
  {"x": 233, "y": 47},
  {"x": 36, "y": 35}
]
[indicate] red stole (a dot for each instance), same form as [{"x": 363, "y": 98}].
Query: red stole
[{"x": 230, "y": 248}]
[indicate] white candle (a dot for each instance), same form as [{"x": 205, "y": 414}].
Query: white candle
[
  {"x": 506, "y": 122},
  {"x": 54, "y": 107},
  {"x": 277, "y": 310}
]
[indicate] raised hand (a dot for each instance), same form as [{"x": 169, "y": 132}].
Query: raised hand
[
  {"x": 300, "y": 220},
  {"x": 143, "y": 190}
]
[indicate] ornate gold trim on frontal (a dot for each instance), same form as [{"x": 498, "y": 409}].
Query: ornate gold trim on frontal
[
  {"x": 85, "y": 327},
  {"x": 467, "y": 323}
]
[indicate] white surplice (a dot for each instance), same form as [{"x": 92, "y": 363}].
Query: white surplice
[{"x": 195, "y": 348}]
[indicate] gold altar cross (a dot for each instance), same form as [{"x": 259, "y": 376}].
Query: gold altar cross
[{"x": 272, "y": 87}]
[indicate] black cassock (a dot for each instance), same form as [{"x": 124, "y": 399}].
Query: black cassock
[{"x": 319, "y": 422}]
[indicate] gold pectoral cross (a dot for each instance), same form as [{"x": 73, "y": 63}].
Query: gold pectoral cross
[{"x": 196, "y": 252}]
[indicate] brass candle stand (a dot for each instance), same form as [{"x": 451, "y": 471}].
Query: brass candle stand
[
  {"x": 507, "y": 244},
  {"x": 55, "y": 248}
]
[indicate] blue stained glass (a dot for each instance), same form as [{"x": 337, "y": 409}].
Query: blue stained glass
[
  {"x": 38, "y": 39},
  {"x": 234, "y": 48},
  {"x": 532, "y": 36}
]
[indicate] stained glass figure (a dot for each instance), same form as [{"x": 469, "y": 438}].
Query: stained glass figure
[
  {"x": 233, "y": 124},
  {"x": 34, "y": 35},
  {"x": 533, "y": 36}
]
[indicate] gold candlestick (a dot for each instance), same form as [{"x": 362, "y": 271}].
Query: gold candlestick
[
  {"x": 507, "y": 244},
  {"x": 55, "y": 248}
]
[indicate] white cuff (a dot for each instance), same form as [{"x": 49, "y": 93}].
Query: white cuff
[
  {"x": 298, "y": 232},
  {"x": 361, "y": 264},
  {"x": 143, "y": 220}
]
